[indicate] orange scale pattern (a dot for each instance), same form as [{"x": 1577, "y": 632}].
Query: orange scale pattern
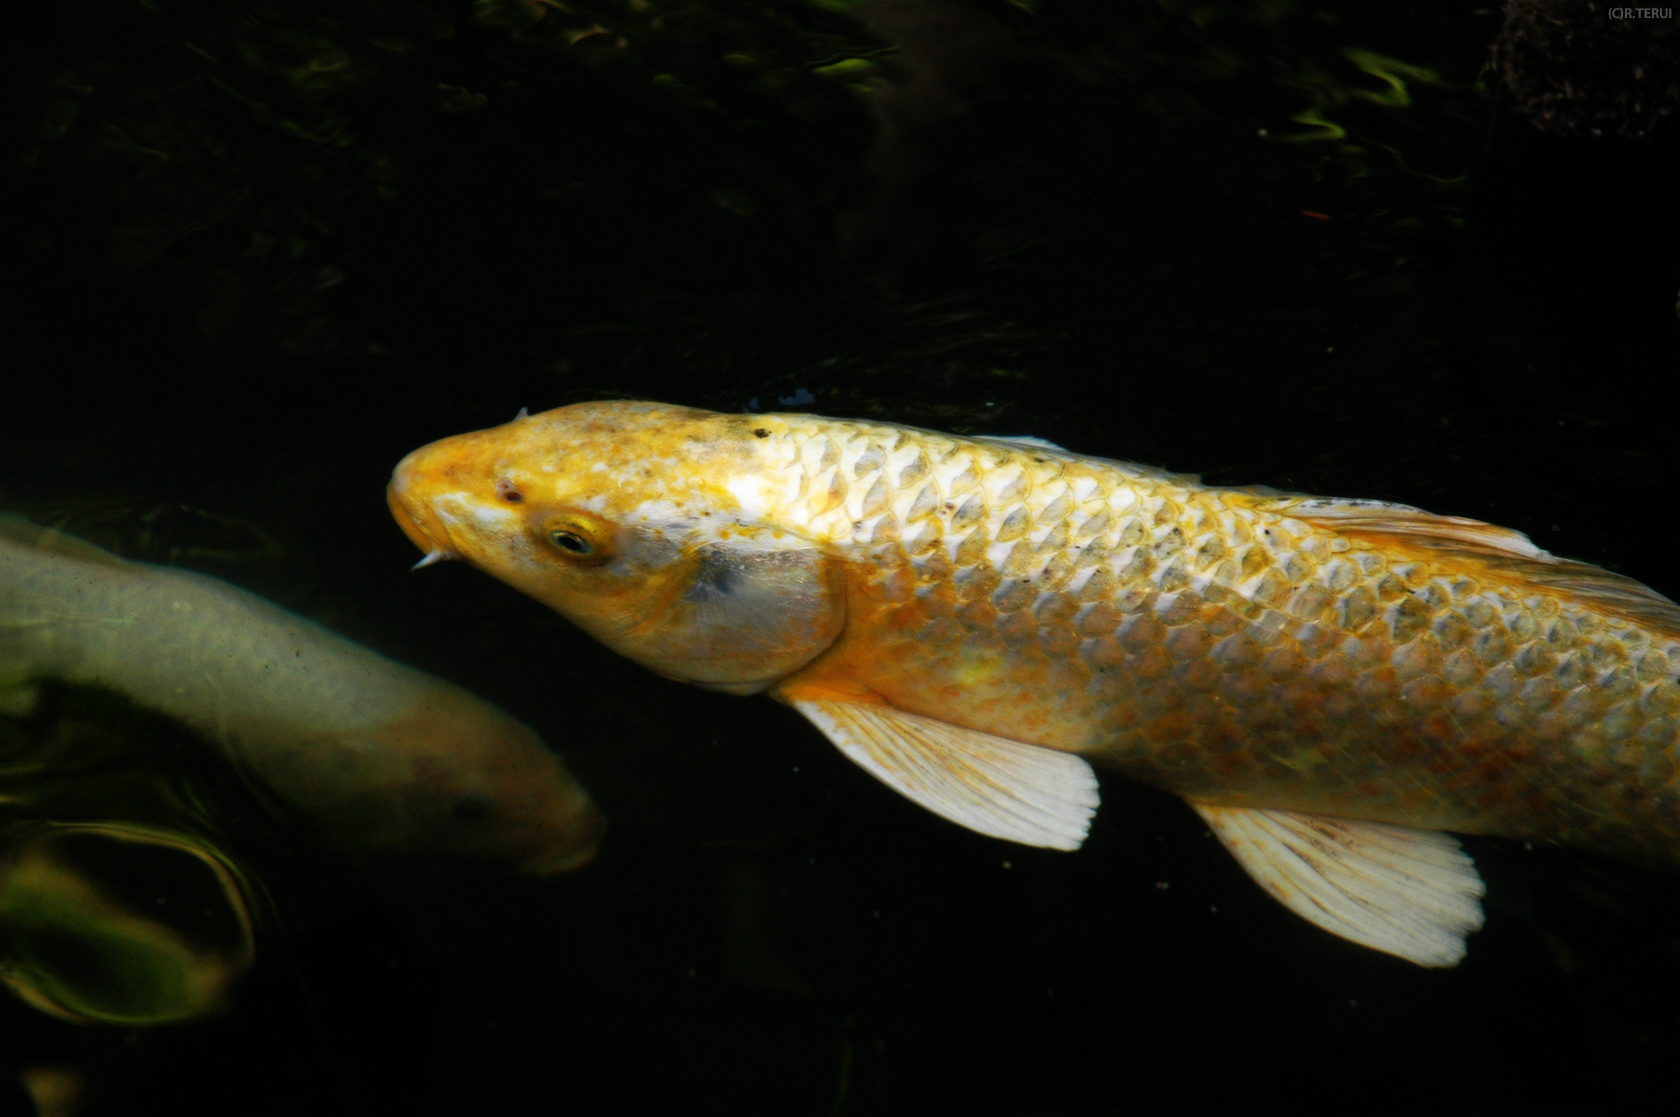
[{"x": 1230, "y": 647}]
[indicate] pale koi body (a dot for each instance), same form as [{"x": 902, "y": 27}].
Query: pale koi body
[{"x": 381, "y": 756}]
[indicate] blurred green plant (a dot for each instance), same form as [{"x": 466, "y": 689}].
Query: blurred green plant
[{"x": 117, "y": 923}]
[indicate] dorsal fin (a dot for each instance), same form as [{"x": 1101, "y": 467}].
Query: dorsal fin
[
  {"x": 1447, "y": 533},
  {"x": 1028, "y": 440},
  {"x": 1614, "y": 593},
  {"x": 27, "y": 533},
  {"x": 1508, "y": 555}
]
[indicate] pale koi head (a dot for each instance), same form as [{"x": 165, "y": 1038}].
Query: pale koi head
[
  {"x": 646, "y": 525},
  {"x": 452, "y": 775},
  {"x": 470, "y": 780}
]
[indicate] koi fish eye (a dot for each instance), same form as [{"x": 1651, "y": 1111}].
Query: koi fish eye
[
  {"x": 577, "y": 536},
  {"x": 570, "y": 541}
]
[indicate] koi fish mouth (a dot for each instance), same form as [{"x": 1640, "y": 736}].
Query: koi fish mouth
[
  {"x": 418, "y": 521},
  {"x": 580, "y": 848}
]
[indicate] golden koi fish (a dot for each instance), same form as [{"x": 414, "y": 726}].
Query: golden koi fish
[
  {"x": 383, "y": 757},
  {"x": 1329, "y": 683}
]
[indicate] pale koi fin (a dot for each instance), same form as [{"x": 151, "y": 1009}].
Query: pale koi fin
[
  {"x": 1423, "y": 529},
  {"x": 1002, "y": 788},
  {"x": 1595, "y": 586},
  {"x": 1404, "y": 891},
  {"x": 1270, "y": 493}
]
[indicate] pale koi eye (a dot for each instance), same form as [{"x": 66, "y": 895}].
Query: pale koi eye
[
  {"x": 570, "y": 541},
  {"x": 508, "y": 492}
]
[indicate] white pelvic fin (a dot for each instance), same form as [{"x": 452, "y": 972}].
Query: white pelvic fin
[
  {"x": 1408, "y": 892},
  {"x": 1002, "y": 788}
]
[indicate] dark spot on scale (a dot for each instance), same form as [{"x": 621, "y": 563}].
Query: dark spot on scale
[
  {"x": 949, "y": 506},
  {"x": 761, "y": 432}
]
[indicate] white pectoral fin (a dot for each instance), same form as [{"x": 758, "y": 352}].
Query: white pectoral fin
[
  {"x": 1408, "y": 892},
  {"x": 1001, "y": 788}
]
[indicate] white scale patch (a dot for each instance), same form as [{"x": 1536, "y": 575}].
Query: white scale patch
[
  {"x": 748, "y": 492},
  {"x": 946, "y": 473}
]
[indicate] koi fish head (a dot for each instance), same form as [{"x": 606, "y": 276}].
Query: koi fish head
[
  {"x": 464, "y": 778},
  {"x": 653, "y": 528},
  {"x": 452, "y": 775}
]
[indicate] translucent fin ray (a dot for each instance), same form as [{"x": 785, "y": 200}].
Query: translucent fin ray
[
  {"x": 992, "y": 785},
  {"x": 1407, "y": 892}
]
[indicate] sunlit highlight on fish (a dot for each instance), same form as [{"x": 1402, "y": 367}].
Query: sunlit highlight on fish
[{"x": 1332, "y": 684}]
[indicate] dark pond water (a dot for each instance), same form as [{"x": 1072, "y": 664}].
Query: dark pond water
[{"x": 256, "y": 252}]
